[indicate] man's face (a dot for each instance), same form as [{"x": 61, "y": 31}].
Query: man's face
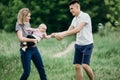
[{"x": 74, "y": 9}]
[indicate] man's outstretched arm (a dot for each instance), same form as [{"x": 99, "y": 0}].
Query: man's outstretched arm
[{"x": 70, "y": 31}]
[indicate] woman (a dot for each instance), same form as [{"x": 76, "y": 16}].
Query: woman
[{"x": 31, "y": 53}]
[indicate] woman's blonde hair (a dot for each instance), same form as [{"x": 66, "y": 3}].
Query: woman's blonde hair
[{"x": 22, "y": 15}]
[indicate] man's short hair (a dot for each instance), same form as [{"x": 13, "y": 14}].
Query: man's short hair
[{"x": 73, "y": 2}]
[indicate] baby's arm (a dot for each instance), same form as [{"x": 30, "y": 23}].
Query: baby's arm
[
  {"x": 45, "y": 36},
  {"x": 48, "y": 36},
  {"x": 52, "y": 35}
]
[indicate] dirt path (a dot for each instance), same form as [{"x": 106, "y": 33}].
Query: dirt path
[{"x": 67, "y": 50}]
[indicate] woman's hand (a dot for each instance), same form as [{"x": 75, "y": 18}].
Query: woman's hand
[{"x": 35, "y": 41}]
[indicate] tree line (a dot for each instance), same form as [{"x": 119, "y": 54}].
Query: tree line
[{"x": 55, "y": 13}]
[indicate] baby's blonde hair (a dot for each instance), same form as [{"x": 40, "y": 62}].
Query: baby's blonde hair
[{"x": 42, "y": 25}]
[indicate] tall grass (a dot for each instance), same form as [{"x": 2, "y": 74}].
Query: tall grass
[{"x": 105, "y": 59}]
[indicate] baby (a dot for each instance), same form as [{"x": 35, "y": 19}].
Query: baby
[{"x": 38, "y": 33}]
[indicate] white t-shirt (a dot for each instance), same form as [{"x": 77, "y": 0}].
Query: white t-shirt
[{"x": 84, "y": 37}]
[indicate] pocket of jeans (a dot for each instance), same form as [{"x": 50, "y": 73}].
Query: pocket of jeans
[{"x": 21, "y": 51}]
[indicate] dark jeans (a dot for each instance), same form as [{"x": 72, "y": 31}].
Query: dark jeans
[{"x": 33, "y": 54}]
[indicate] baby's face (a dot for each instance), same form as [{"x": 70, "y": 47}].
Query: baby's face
[{"x": 42, "y": 28}]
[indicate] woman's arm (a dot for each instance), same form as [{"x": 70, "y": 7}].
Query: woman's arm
[{"x": 24, "y": 39}]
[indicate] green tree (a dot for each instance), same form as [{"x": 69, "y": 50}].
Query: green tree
[
  {"x": 113, "y": 10},
  {"x": 8, "y": 14},
  {"x": 55, "y": 13}
]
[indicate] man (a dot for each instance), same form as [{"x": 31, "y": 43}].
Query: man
[{"x": 81, "y": 26}]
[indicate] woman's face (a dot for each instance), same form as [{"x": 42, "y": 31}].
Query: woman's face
[{"x": 28, "y": 17}]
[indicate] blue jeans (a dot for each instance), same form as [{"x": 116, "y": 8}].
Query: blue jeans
[{"x": 33, "y": 54}]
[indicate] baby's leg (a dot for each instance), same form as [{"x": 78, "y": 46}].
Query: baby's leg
[{"x": 24, "y": 48}]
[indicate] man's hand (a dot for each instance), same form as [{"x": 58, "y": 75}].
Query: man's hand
[
  {"x": 53, "y": 35},
  {"x": 59, "y": 36}
]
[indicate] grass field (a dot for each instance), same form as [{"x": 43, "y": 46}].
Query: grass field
[{"x": 105, "y": 59}]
